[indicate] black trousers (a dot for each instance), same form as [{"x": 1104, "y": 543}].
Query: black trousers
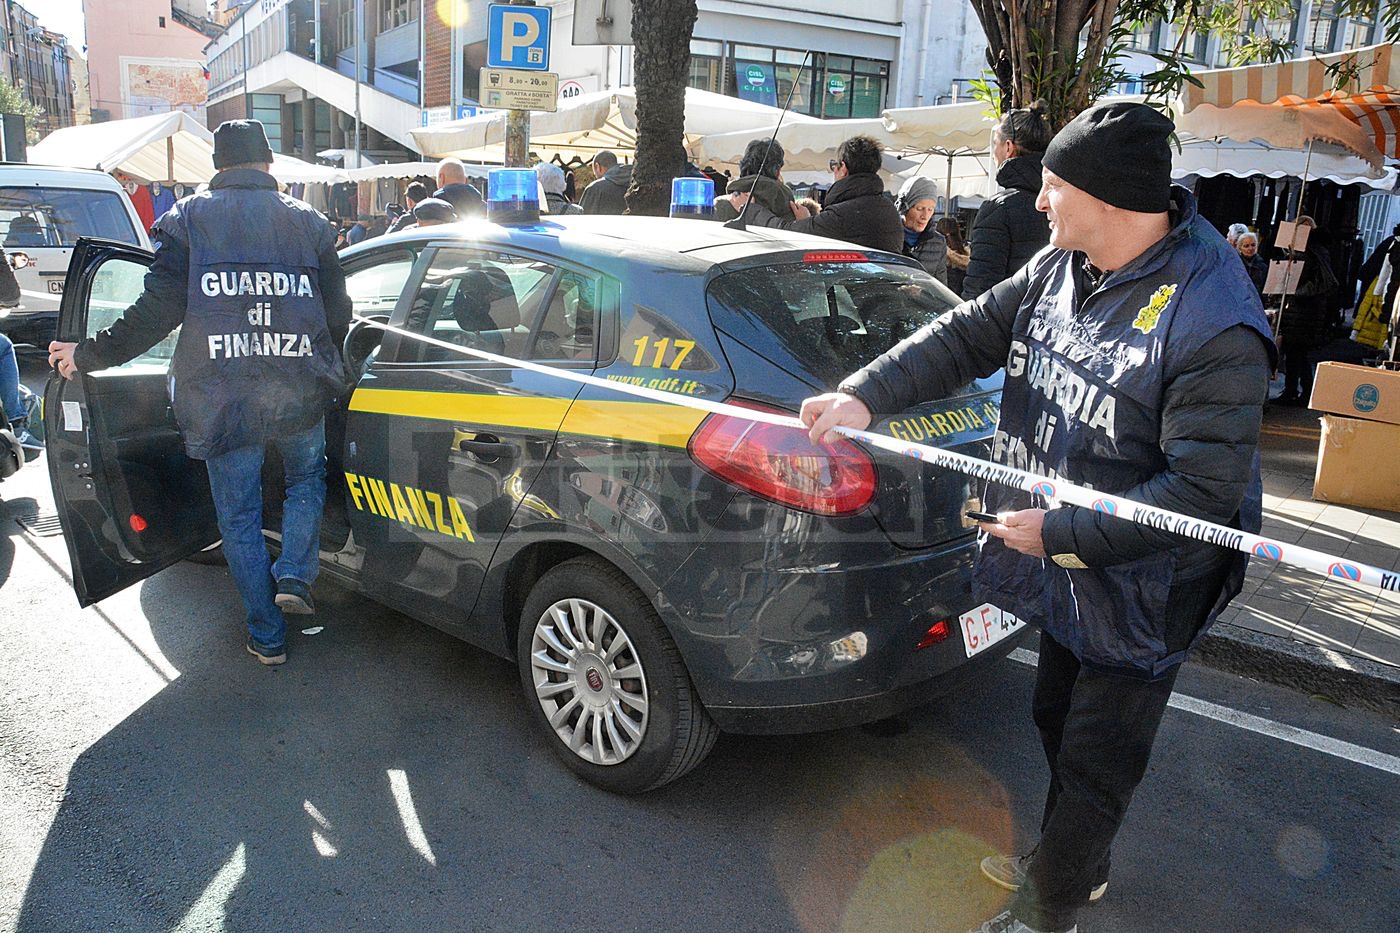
[{"x": 1097, "y": 730}]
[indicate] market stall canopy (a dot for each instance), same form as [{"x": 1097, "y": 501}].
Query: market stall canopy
[
  {"x": 1303, "y": 77},
  {"x": 1208, "y": 158},
  {"x": 166, "y": 147},
  {"x": 595, "y": 121},
  {"x": 410, "y": 170},
  {"x": 1358, "y": 86},
  {"x": 945, "y": 128},
  {"x": 1278, "y": 126},
  {"x": 163, "y": 147}
]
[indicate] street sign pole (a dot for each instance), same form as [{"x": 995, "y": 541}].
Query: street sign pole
[
  {"x": 518, "y": 138},
  {"x": 518, "y": 125}
]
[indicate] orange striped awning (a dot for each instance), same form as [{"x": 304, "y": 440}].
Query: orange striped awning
[
  {"x": 1376, "y": 111},
  {"x": 1301, "y": 78}
]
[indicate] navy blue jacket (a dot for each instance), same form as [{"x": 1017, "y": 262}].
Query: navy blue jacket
[
  {"x": 252, "y": 279},
  {"x": 1150, "y": 386}
]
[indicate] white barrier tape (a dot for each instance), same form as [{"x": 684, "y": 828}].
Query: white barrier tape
[{"x": 1127, "y": 509}]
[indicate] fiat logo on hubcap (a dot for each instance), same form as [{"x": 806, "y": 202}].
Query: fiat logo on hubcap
[{"x": 595, "y": 680}]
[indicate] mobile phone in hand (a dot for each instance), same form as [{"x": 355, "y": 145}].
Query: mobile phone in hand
[{"x": 982, "y": 517}]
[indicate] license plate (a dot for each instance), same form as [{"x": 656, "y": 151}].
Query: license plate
[
  {"x": 985, "y": 626},
  {"x": 55, "y": 286}
]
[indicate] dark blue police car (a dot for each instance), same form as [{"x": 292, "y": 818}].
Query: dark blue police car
[{"x": 658, "y": 573}]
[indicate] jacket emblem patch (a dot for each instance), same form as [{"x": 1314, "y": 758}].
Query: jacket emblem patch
[{"x": 1149, "y": 313}]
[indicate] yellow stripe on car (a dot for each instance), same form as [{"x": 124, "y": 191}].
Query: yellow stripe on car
[{"x": 644, "y": 422}]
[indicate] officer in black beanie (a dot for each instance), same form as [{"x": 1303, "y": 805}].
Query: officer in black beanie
[
  {"x": 251, "y": 278},
  {"x": 1137, "y": 361}
]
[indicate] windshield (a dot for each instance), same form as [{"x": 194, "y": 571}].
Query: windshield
[
  {"x": 830, "y": 318},
  {"x": 33, "y": 217}
]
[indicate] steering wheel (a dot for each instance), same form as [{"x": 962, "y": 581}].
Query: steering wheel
[{"x": 361, "y": 341}]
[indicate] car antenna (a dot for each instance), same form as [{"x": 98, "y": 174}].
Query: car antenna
[{"x": 738, "y": 223}]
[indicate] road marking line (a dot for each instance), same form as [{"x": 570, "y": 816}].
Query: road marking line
[
  {"x": 1251, "y": 723},
  {"x": 408, "y": 815}
]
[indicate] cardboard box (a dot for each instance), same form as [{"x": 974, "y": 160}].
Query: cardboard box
[
  {"x": 1356, "y": 463},
  {"x": 1357, "y": 392}
]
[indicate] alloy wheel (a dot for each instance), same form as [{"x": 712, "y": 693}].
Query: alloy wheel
[{"x": 589, "y": 681}]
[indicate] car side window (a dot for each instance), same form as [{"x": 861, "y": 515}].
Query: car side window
[
  {"x": 475, "y": 299},
  {"x": 375, "y": 289},
  {"x": 116, "y": 285},
  {"x": 569, "y": 329}
]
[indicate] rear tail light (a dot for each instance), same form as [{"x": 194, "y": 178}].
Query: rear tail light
[
  {"x": 937, "y": 632},
  {"x": 137, "y": 523},
  {"x": 844, "y": 255},
  {"x": 783, "y": 465}
]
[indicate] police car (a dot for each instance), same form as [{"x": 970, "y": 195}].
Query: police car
[{"x": 659, "y": 573}]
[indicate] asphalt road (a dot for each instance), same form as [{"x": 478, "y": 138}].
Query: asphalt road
[{"x": 154, "y": 777}]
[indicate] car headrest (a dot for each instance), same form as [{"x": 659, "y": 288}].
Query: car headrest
[{"x": 485, "y": 300}]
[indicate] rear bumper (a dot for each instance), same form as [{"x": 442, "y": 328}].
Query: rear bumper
[
  {"x": 840, "y": 714},
  {"x": 819, "y": 637}
]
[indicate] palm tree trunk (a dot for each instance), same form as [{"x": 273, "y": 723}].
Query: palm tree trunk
[{"x": 661, "y": 31}]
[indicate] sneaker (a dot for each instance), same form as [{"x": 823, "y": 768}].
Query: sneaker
[
  {"x": 268, "y": 656},
  {"x": 1005, "y": 923},
  {"x": 1009, "y": 871},
  {"x": 294, "y": 597}
]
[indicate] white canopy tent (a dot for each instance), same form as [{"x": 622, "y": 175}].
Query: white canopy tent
[
  {"x": 167, "y": 147},
  {"x": 162, "y": 147},
  {"x": 596, "y": 121}
]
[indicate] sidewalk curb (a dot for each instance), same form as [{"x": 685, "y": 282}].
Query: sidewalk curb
[{"x": 1352, "y": 682}]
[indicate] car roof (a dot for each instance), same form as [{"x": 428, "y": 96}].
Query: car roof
[
  {"x": 659, "y": 242},
  {"x": 27, "y": 173}
]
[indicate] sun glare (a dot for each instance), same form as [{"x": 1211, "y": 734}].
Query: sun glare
[{"x": 453, "y": 12}]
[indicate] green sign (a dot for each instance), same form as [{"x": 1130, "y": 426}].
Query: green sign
[
  {"x": 755, "y": 75},
  {"x": 836, "y": 85}
]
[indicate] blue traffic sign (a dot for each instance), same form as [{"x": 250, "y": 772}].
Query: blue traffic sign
[{"x": 517, "y": 37}]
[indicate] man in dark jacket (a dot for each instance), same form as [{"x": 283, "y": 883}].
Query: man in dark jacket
[
  {"x": 760, "y": 171},
  {"x": 856, "y": 209},
  {"x": 1137, "y": 361},
  {"x": 251, "y": 278},
  {"x": 454, "y": 188},
  {"x": 412, "y": 195},
  {"x": 1008, "y": 230},
  {"x": 605, "y": 194}
]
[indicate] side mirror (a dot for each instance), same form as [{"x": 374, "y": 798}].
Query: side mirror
[{"x": 19, "y": 260}]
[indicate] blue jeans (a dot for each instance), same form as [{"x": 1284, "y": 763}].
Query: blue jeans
[
  {"x": 235, "y": 478},
  {"x": 9, "y": 380}
]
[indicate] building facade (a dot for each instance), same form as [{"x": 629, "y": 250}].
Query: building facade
[
  {"x": 36, "y": 61},
  {"x": 293, "y": 63},
  {"x": 145, "y": 56}
]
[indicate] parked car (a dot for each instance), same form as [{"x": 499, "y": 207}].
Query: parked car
[
  {"x": 658, "y": 573},
  {"x": 44, "y": 210}
]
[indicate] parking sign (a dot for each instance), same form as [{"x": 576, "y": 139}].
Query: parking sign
[{"x": 517, "y": 37}]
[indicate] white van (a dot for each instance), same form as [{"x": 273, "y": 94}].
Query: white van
[{"x": 43, "y": 211}]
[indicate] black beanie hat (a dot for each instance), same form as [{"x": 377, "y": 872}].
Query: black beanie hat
[
  {"x": 239, "y": 141},
  {"x": 1119, "y": 153}
]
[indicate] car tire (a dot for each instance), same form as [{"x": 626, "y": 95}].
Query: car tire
[{"x": 584, "y": 623}]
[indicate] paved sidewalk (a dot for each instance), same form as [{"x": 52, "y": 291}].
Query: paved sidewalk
[{"x": 1297, "y": 627}]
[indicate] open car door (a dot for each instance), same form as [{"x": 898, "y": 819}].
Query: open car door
[{"x": 130, "y": 502}]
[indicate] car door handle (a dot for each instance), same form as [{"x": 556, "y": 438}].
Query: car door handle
[{"x": 486, "y": 447}]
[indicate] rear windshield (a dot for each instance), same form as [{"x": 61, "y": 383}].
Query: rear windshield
[
  {"x": 829, "y": 318},
  {"x": 36, "y": 217}
]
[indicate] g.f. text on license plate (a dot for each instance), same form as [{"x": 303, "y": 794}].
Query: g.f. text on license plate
[{"x": 985, "y": 626}]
